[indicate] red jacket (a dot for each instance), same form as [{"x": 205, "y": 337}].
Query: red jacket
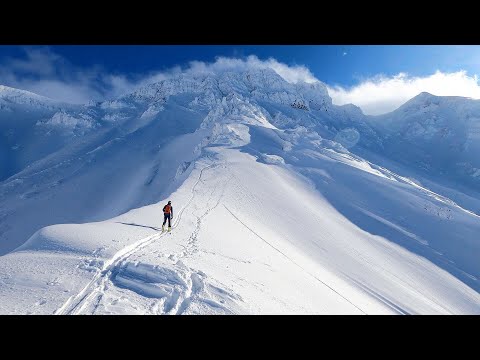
[{"x": 168, "y": 209}]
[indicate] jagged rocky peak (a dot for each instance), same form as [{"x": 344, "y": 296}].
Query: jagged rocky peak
[{"x": 261, "y": 84}]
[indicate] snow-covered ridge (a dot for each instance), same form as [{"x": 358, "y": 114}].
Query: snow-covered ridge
[
  {"x": 263, "y": 84},
  {"x": 447, "y": 125},
  {"x": 17, "y": 96},
  {"x": 440, "y": 135}
]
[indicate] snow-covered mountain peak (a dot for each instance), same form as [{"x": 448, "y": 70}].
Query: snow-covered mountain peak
[
  {"x": 17, "y": 96},
  {"x": 256, "y": 84},
  {"x": 429, "y": 102},
  {"x": 424, "y": 95},
  {"x": 267, "y": 84}
]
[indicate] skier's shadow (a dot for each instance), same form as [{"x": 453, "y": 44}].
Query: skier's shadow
[{"x": 132, "y": 224}]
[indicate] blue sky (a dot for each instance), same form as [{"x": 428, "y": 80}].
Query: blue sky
[{"x": 358, "y": 74}]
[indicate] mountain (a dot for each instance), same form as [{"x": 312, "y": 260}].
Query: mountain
[
  {"x": 279, "y": 206},
  {"x": 28, "y": 124},
  {"x": 438, "y": 138}
]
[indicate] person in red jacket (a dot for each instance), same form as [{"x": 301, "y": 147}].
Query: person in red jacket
[{"x": 167, "y": 214}]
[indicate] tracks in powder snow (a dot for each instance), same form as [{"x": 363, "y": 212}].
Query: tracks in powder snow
[
  {"x": 171, "y": 289},
  {"x": 90, "y": 296},
  {"x": 176, "y": 288},
  {"x": 96, "y": 286}
]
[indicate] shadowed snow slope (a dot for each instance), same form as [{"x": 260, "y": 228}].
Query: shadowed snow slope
[
  {"x": 438, "y": 138},
  {"x": 276, "y": 209}
]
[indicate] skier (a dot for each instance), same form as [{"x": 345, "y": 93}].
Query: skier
[{"x": 167, "y": 214}]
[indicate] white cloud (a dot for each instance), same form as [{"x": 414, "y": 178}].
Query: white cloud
[
  {"x": 46, "y": 73},
  {"x": 58, "y": 90},
  {"x": 383, "y": 94},
  {"x": 49, "y": 74},
  {"x": 40, "y": 61},
  {"x": 292, "y": 74}
]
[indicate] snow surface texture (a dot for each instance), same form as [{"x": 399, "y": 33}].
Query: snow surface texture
[{"x": 283, "y": 202}]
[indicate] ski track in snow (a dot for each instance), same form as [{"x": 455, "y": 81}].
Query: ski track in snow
[
  {"x": 179, "y": 285},
  {"x": 294, "y": 262},
  {"x": 75, "y": 304}
]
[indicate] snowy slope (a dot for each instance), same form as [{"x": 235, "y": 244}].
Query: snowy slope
[
  {"x": 80, "y": 182},
  {"x": 439, "y": 137},
  {"x": 273, "y": 213},
  {"x": 31, "y": 127}
]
